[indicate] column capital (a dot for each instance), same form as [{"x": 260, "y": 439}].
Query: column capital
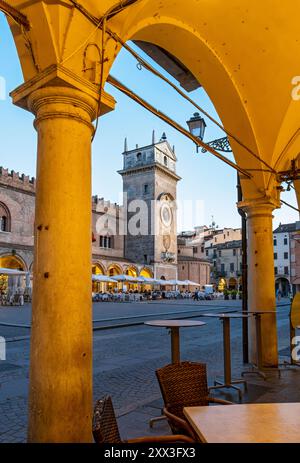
[
  {"x": 58, "y": 84},
  {"x": 262, "y": 207}
]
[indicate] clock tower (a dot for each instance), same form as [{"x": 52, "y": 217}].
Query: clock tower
[{"x": 149, "y": 188}]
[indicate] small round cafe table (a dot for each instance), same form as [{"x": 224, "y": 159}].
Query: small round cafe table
[{"x": 174, "y": 326}]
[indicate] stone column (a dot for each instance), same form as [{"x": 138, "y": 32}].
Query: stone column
[
  {"x": 261, "y": 278},
  {"x": 60, "y": 391}
]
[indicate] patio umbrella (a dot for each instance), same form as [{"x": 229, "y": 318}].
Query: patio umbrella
[
  {"x": 128, "y": 278},
  {"x": 146, "y": 280},
  {"x": 191, "y": 283},
  {"x": 12, "y": 272},
  {"x": 103, "y": 279}
]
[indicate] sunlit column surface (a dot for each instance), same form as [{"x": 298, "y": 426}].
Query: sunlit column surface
[
  {"x": 261, "y": 278},
  {"x": 60, "y": 395}
]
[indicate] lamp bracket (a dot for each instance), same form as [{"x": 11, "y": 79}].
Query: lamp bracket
[{"x": 220, "y": 144}]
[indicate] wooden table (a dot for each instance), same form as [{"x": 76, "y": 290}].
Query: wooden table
[
  {"x": 246, "y": 423},
  {"x": 228, "y": 382},
  {"x": 174, "y": 326}
]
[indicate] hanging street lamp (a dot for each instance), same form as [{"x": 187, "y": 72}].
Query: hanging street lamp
[{"x": 197, "y": 125}]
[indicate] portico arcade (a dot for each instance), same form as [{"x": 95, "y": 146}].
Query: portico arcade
[{"x": 61, "y": 88}]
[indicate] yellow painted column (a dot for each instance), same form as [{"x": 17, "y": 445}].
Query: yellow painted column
[
  {"x": 297, "y": 191},
  {"x": 261, "y": 278},
  {"x": 60, "y": 396},
  {"x": 60, "y": 387}
]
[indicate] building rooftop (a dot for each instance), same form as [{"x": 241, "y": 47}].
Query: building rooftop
[
  {"x": 287, "y": 227},
  {"x": 227, "y": 245},
  {"x": 182, "y": 258}
]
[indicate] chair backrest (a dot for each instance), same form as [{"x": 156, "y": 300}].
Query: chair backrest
[
  {"x": 105, "y": 427},
  {"x": 183, "y": 385},
  {"x": 295, "y": 311}
]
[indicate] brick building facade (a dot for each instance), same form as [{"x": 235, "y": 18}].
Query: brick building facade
[{"x": 149, "y": 178}]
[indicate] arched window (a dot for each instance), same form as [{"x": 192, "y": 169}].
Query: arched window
[
  {"x": 165, "y": 160},
  {"x": 106, "y": 242},
  {"x": 4, "y": 218},
  {"x": 139, "y": 157}
]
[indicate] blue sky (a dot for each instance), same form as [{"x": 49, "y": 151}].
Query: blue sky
[{"x": 203, "y": 177}]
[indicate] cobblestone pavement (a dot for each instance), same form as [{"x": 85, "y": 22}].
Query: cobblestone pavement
[{"x": 125, "y": 360}]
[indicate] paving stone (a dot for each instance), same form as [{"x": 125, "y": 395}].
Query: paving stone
[{"x": 124, "y": 367}]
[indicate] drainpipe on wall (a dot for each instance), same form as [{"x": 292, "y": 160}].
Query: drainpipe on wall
[{"x": 244, "y": 273}]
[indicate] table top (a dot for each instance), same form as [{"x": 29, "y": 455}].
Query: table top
[
  {"x": 175, "y": 323},
  {"x": 246, "y": 423},
  {"x": 259, "y": 312},
  {"x": 225, "y": 315}
]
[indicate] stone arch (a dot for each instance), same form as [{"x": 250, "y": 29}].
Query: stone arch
[
  {"x": 232, "y": 283},
  {"x": 98, "y": 268},
  {"x": 210, "y": 48},
  {"x": 131, "y": 270},
  {"x": 222, "y": 285},
  {"x": 114, "y": 269},
  {"x": 13, "y": 261},
  {"x": 165, "y": 197},
  {"x": 146, "y": 272},
  {"x": 176, "y": 37}
]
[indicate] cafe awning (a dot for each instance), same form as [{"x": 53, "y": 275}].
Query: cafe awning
[
  {"x": 12, "y": 272},
  {"x": 102, "y": 279}
]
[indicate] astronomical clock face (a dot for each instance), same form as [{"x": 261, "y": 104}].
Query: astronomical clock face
[{"x": 166, "y": 215}]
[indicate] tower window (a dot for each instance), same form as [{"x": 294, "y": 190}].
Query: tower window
[
  {"x": 165, "y": 160},
  {"x": 139, "y": 157},
  {"x": 4, "y": 218},
  {"x": 3, "y": 223},
  {"x": 106, "y": 242},
  {"x": 146, "y": 189}
]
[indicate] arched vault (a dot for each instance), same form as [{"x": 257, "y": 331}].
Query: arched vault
[
  {"x": 242, "y": 53},
  {"x": 245, "y": 56}
]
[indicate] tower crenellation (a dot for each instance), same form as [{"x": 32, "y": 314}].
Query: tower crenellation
[
  {"x": 102, "y": 205},
  {"x": 15, "y": 180}
]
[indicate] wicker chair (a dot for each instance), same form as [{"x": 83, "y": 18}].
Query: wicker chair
[
  {"x": 106, "y": 431},
  {"x": 184, "y": 385}
]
